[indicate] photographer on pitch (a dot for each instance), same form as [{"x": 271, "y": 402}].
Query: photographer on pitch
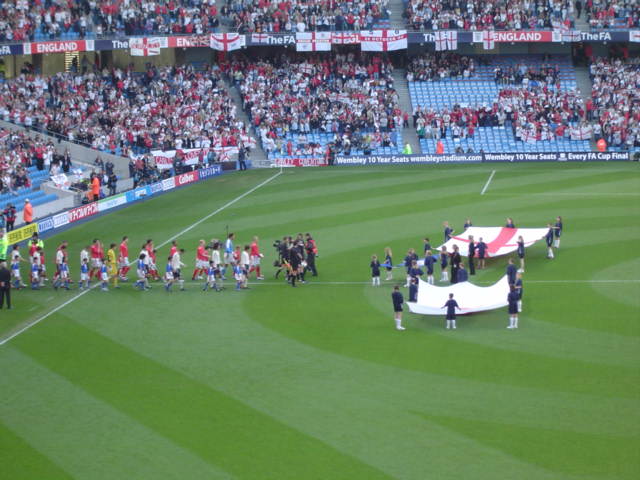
[{"x": 312, "y": 253}]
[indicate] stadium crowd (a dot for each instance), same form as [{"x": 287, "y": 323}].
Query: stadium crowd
[
  {"x": 18, "y": 151},
  {"x": 351, "y": 96},
  {"x": 440, "y": 66},
  {"x": 615, "y": 101},
  {"x": 124, "y": 112},
  {"x": 309, "y": 15},
  {"x": 487, "y": 14},
  {"x": 613, "y": 13},
  {"x": 21, "y": 19},
  {"x": 534, "y": 113}
]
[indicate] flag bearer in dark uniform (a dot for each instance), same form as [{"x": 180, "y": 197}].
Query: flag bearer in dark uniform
[
  {"x": 429, "y": 261},
  {"x": 472, "y": 254},
  {"x": 467, "y": 224},
  {"x": 408, "y": 263},
  {"x": 398, "y": 300},
  {"x": 549, "y": 239},
  {"x": 447, "y": 232},
  {"x": 375, "y": 271},
  {"x": 413, "y": 290},
  {"x": 451, "y": 306},
  {"x": 482, "y": 253},
  {"x": 557, "y": 230},
  {"x": 455, "y": 264},
  {"x": 427, "y": 245},
  {"x": 444, "y": 260},
  {"x": 388, "y": 260},
  {"x": 520, "y": 251},
  {"x": 510, "y": 223},
  {"x": 511, "y": 272},
  {"x": 512, "y": 299},
  {"x": 463, "y": 276},
  {"x": 519, "y": 290}
]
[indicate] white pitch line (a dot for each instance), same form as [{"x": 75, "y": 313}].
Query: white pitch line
[
  {"x": 582, "y": 194},
  {"x": 486, "y": 185},
  {"x": 390, "y": 283},
  {"x": 191, "y": 227}
]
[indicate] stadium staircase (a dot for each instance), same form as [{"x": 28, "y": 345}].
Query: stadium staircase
[
  {"x": 409, "y": 134},
  {"x": 584, "y": 85},
  {"x": 395, "y": 18},
  {"x": 257, "y": 153}
]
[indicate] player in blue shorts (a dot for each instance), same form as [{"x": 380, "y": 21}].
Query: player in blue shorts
[
  {"x": 84, "y": 274},
  {"x": 104, "y": 276},
  {"x": 375, "y": 271},
  {"x": 519, "y": 290},
  {"x": 141, "y": 271},
  {"x": 557, "y": 230},
  {"x": 512, "y": 300},
  {"x": 451, "y": 306},
  {"x": 481, "y": 248},
  {"x": 444, "y": 261},
  {"x": 429, "y": 262},
  {"x": 169, "y": 277}
]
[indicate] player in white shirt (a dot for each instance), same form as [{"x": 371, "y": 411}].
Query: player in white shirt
[
  {"x": 245, "y": 264},
  {"x": 176, "y": 266},
  {"x": 15, "y": 267},
  {"x": 215, "y": 258}
]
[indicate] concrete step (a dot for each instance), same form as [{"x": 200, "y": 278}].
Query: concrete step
[
  {"x": 397, "y": 9},
  {"x": 409, "y": 134},
  {"x": 258, "y": 152}
]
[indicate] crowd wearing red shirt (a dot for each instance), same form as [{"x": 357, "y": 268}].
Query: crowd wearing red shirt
[
  {"x": 615, "y": 100},
  {"x": 488, "y": 14},
  {"x": 22, "y": 19},
  {"x": 613, "y": 13},
  {"x": 339, "y": 94},
  {"x": 126, "y": 112},
  {"x": 18, "y": 152}
]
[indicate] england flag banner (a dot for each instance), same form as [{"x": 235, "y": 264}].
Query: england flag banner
[
  {"x": 634, "y": 36},
  {"x": 584, "y": 132},
  {"x": 471, "y": 298},
  {"x": 487, "y": 37},
  {"x": 146, "y": 47},
  {"x": 313, "y": 41},
  {"x": 226, "y": 42},
  {"x": 345, "y": 38},
  {"x": 383, "y": 40},
  {"x": 441, "y": 40},
  {"x": 499, "y": 240}
]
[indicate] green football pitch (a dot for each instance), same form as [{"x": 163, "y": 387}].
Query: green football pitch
[{"x": 315, "y": 382}]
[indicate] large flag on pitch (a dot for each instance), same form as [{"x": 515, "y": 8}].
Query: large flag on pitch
[
  {"x": 313, "y": 41},
  {"x": 471, "y": 298},
  {"x": 145, "y": 47},
  {"x": 499, "y": 240},
  {"x": 383, "y": 40},
  {"x": 226, "y": 42}
]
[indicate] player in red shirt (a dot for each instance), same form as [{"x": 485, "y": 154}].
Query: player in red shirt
[
  {"x": 153, "y": 269},
  {"x": 202, "y": 261},
  {"x": 97, "y": 254},
  {"x": 123, "y": 259},
  {"x": 255, "y": 258},
  {"x": 174, "y": 248}
]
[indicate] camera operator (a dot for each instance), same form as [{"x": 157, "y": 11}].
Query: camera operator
[{"x": 282, "y": 262}]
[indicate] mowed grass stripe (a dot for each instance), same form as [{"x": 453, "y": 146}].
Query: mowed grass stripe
[
  {"x": 214, "y": 426},
  {"x": 62, "y": 423},
  {"x": 20, "y": 461}
]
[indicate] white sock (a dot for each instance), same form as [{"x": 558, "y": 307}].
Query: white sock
[
  {"x": 519, "y": 306},
  {"x": 515, "y": 322},
  {"x": 557, "y": 243},
  {"x": 550, "y": 252},
  {"x": 373, "y": 281},
  {"x": 398, "y": 322},
  {"x": 448, "y": 324},
  {"x": 181, "y": 282},
  {"x": 453, "y": 323}
]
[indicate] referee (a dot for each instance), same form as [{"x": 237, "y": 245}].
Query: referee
[{"x": 5, "y": 285}]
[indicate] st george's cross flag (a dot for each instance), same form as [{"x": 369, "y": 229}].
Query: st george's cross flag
[
  {"x": 313, "y": 41},
  {"x": 499, "y": 240},
  {"x": 345, "y": 38},
  {"x": 634, "y": 36},
  {"x": 489, "y": 39},
  {"x": 471, "y": 298},
  {"x": 145, "y": 47},
  {"x": 383, "y": 40},
  {"x": 226, "y": 42}
]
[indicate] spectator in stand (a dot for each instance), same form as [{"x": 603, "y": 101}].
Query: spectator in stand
[
  {"x": 17, "y": 153},
  {"x": 20, "y": 20},
  {"x": 603, "y": 14},
  {"x": 615, "y": 97},
  {"x": 488, "y": 14},
  {"x": 348, "y": 95},
  {"x": 119, "y": 111}
]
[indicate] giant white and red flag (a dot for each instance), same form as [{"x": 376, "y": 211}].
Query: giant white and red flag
[
  {"x": 383, "y": 40},
  {"x": 499, "y": 240}
]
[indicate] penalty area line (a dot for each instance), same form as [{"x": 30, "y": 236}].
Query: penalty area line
[
  {"x": 27, "y": 326},
  {"x": 486, "y": 185},
  {"x": 392, "y": 283}
]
